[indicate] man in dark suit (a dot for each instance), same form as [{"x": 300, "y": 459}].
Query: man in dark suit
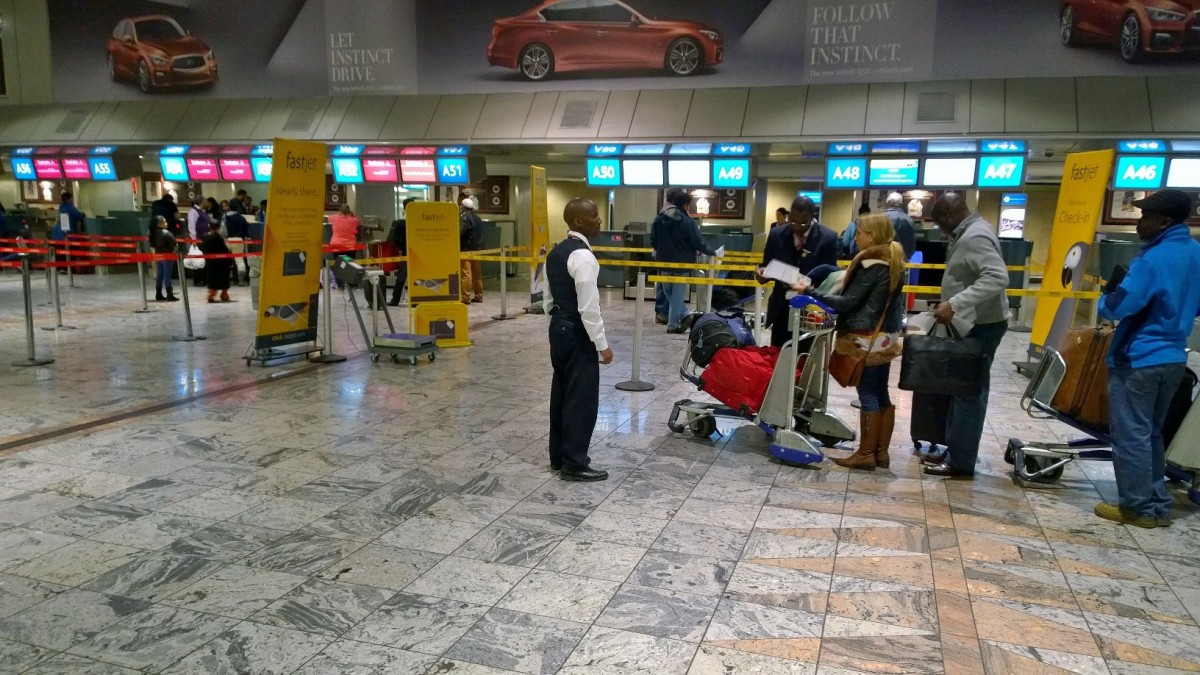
[
  {"x": 804, "y": 243},
  {"x": 577, "y": 343}
]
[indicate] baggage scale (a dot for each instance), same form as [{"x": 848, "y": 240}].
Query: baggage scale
[{"x": 391, "y": 344}]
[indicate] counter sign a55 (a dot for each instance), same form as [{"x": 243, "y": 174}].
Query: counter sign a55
[{"x": 102, "y": 168}]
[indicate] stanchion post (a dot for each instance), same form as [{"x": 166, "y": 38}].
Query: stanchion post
[
  {"x": 70, "y": 270},
  {"x": 758, "y": 315},
  {"x": 51, "y": 255},
  {"x": 57, "y": 300},
  {"x": 503, "y": 315},
  {"x": 31, "y": 358},
  {"x": 187, "y": 304},
  {"x": 327, "y": 356},
  {"x": 635, "y": 382},
  {"x": 141, "y": 272}
]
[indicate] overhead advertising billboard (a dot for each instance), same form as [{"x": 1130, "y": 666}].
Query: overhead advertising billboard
[{"x": 310, "y": 48}]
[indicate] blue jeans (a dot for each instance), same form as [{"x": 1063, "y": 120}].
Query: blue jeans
[
  {"x": 676, "y": 300},
  {"x": 873, "y": 388},
  {"x": 661, "y": 307},
  {"x": 964, "y": 424},
  {"x": 162, "y": 274},
  {"x": 1138, "y": 399}
]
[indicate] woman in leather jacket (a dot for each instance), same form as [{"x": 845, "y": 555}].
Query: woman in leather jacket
[{"x": 868, "y": 291}]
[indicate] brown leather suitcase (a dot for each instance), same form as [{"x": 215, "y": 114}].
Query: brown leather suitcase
[{"x": 1083, "y": 393}]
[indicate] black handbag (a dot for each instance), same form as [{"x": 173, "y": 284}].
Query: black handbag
[{"x": 950, "y": 364}]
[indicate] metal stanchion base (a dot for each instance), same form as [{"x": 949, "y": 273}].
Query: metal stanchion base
[
  {"x": 58, "y": 327},
  {"x": 188, "y": 338},
  {"x": 504, "y": 317},
  {"x": 32, "y": 362},
  {"x": 635, "y": 385},
  {"x": 328, "y": 358},
  {"x": 148, "y": 310}
]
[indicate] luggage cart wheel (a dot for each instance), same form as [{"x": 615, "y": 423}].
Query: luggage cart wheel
[
  {"x": 395, "y": 358},
  {"x": 827, "y": 441},
  {"x": 703, "y": 427},
  {"x": 432, "y": 357},
  {"x": 374, "y": 358},
  {"x": 1033, "y": 464},
  {"x": 1010, "y": 452},
  {"x": 412, "y": 360}
]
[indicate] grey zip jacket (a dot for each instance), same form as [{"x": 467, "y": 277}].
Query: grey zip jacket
[{"x": 976, "y": 276}]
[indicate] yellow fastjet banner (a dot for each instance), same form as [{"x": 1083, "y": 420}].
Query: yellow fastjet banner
[
  {"x": 291, "y": 255},
  {"x": 433, "y": 273},
  {"x": 1080, "y": 205}
]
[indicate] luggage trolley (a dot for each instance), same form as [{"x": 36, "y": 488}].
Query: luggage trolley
[
  {"x": 794, "y": 411},
  {"x": 1041, "y": 463}
]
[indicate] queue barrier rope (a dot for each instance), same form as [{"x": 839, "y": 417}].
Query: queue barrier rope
[{"x": 748, "y": 283}]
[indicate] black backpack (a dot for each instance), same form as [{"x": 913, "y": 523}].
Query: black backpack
[{"x": 714, "y": 331}]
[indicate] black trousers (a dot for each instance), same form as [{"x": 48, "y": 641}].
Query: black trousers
[
  {"x": 574, "y": 393},
  {"x": 401, "y": 280}
]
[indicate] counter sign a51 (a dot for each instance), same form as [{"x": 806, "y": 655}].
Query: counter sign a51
[{"x": 452, "y": 171}]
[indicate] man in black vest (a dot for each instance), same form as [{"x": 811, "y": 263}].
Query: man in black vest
[{"x": 577, "y": 343}]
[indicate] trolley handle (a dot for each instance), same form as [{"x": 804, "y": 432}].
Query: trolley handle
[{"x": 801, "y": 301}]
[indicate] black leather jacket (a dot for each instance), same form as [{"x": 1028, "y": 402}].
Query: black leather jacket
[{"x": 860, "y": 304}]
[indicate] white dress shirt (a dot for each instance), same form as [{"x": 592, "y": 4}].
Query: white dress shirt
[{"x": 585, "y": 270}]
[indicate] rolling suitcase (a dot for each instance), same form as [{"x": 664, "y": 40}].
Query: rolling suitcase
[
  {"x": 1083, "y": 394},
  {"x": 928, "y": 420}
]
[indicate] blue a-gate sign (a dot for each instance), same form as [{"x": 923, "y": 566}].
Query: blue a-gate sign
[
  {"x": 731, "y": 173},
  {"x": 846, "y": 173},
  {"x": 1140, "y": 173},
  {"x": 604, "y": 172},
  {"x": 1002, "y": 171}
]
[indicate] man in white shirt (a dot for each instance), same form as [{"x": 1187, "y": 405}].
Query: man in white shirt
[{"x": 577, "y": 343}]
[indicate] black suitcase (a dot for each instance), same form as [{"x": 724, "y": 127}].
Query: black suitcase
[
  {"x": 1181, "y": 403},
  {"x": 928, "y": 422}
]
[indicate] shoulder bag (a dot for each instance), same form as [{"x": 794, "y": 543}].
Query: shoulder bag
[{"x": 851, "y": 351}]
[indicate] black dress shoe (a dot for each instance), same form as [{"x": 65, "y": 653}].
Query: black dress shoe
[
  {"x": 676, "y": 331},
  {"x": 555, "y": 467},
  {"x": 583, "y": 475},
  {"x": 948, "y": 471}
]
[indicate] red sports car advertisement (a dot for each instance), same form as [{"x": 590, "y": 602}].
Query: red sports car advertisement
[{"x": 130, "y": 49}]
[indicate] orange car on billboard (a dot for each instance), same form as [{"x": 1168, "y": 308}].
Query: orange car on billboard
[
  {"x": 1138, "y": 28},
  {"x": 576, "y": 35},
  {"x": 157, "y": 53}
]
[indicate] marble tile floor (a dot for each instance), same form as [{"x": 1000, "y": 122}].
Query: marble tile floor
[{"x": 375, "y": 518}]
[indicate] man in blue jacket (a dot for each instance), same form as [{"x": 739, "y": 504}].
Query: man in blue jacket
[
  {"x": 70, "y": 219},
  {"x": 675, "y": 238},
  {"x": 1156, "y": 304},
  {"x": 802, "y": 243}
]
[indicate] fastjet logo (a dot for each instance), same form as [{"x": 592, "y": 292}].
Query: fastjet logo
[{"x": 304, "y": 164}]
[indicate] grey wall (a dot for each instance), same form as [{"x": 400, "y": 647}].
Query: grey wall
[{"x": 26, "y": 47}]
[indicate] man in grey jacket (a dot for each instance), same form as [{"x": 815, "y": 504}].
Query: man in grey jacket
[{"x": 973, "y": 289}]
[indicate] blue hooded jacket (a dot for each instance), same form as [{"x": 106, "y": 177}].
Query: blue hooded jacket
[{"x": 1156, "y": 303}]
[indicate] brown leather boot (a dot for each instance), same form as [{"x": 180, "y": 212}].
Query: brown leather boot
[
  {"x": 868, "y": 443},
  {"x": 887, "y": 422}
]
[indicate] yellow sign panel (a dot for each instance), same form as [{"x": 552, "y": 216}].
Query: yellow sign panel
[
  {"x": 291, "y": 255},
  {"x": 446, "y": 321},
  {"x": 539, "y": 227},
  {"x": 433, "y": 266},
  {"x": 1080, "y": 205}
]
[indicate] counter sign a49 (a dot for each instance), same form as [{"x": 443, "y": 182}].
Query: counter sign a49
[{"x": 731, "y": 173}]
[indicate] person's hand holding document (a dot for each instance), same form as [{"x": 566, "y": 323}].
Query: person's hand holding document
[
  {"x": 720, "y": 252},
  {"x": 787, "y": 274}
]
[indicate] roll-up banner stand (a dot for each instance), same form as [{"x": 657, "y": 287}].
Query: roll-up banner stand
[
  {"x": 433, "y": 268},
  {"x": 539, "y": 231},
  {"x": 1080, "y": 206},
  {"x": 291, "y": 255}
]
